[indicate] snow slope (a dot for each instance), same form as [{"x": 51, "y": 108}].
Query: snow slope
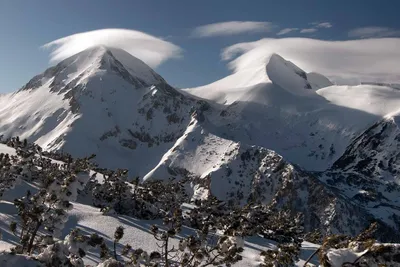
[
  {"x": 136, "y": 232},
  {"x": 240, "y": 174},
  {"x": 301, "y": 116},
  {"x": 91, "y": 103},
  {"x": 274, "y": 69}
]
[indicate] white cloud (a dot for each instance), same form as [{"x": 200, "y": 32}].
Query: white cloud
[
  {"x": 342, "y": 61},
  {"x": 316, "y": 25},
  {"x": 373, "y": 32},
  {"x": 232, "y": 28},
  {"x": 308, "y": 30},
  {"x": 152, "y": 50},
  {"x": 286, "y": 31},
  {"x": 322, "y": 24}
]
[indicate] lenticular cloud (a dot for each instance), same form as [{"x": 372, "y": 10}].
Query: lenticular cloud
[
  {"x": 152, "y": 50},
  {"x": 345, "y": 62}
]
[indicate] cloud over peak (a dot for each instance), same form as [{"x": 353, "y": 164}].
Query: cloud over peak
[
  {"x": 345, "y": 62},
  {"x": 152, "y": 50},
  {"x": 232, "y": 28}
]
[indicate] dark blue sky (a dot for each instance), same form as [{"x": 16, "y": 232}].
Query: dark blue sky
[{"x": 27, "y": 25}]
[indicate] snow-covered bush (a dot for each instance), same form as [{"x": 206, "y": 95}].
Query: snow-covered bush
[
  {"x": 284, "y": 255},
  {"x": 113, "y": 193},
  {"x": 219, "y": 228},
  {"x": 70, "y": 251},
  {"x": 362, "y": 250},
  {"x": 201, "y": 249},
  {"x": 148, "y": 200},
  {"x": 46, "y": 210},
  {"x": 22, "y": 166},
  {"x": 251, "y": 219},
  {"x": 10, "y": 172}
]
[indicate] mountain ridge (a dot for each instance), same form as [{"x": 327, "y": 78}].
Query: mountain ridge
[{"x": 274, "y": 139}]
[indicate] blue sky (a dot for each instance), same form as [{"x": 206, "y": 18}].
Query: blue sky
[{"x": 27, "y": 25}]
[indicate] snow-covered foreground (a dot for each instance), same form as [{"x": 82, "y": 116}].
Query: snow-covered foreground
[{"x": 91, "y": 220}]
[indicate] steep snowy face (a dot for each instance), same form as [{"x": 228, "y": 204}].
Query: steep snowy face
[
  {"x": 287, "y": 75},
  {"x": 375, "y": 154},
  {"x": 240, "y": 174},
  {"x": 274, "y": 70},
  {"x": 368, "y": 171},
  {"x": 300, "y": 115},
  {"x": 93, "y": 103},
  {"x": 290, "y": 77},
  {"x": 73, "y": 69}
]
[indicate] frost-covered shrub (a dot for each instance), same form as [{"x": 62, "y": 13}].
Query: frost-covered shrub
[
  {"x": 46, "y": 210},
  {"x": 251, "y": 219},
  {"x": 70, "y": 251},
  {"x": 10, "y": 172},
  {"x": 238, "y": 222},
  {"x": 113, "y": 192},
  {"x": 283, "y": 256},
  {"x": 362, "y": 250},
  {"x": 22, "y": 166},
  {"x": 148, "y": 200}
]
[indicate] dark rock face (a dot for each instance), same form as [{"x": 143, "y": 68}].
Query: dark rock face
[
  {"x": 36, "y": 81},
  {"x": 375, "y": 151},
  {"x": 367, "y": 175}
]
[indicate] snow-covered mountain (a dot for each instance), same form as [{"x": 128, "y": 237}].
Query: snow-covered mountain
[
  {"x": 278, "y": 106},
  {"x": 271, "y": 133},
  {"x": 101, "y": 101},
  {"x": 241, "y": 174},
  {"x": 368, "y": 172}
]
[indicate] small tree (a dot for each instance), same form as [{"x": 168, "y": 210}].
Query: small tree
[
  {"x": 47, "y": 209},
  {"x": 70, "y": 251},
  {"x": 10, "y": 172}
]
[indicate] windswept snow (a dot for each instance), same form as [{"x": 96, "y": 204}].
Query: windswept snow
[
  {"x": 317, "y": 80},
  {"x": 274, "y": 69},
  {"x": 300, "y": 115},
  {"x": 376, "y": 100},
  {"x": 344, "y": 62}
]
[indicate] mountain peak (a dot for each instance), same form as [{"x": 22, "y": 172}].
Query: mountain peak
[
  {"x": 252, "y": 73},
  {"x": 90, "y": 61},
  {"x": 111, "y": 58},
  {"x": 290, "y": 77}
]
